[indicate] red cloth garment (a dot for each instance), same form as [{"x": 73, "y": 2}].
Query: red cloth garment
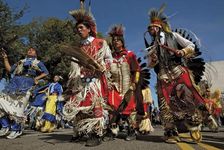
[
  {"x": 184, "y": 78},
  {"x": 92, "y": 49},
  {"x": 114, "y": 97}
]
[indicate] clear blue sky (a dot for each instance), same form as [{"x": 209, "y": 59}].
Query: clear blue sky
[{"x": 203, "y": 17}]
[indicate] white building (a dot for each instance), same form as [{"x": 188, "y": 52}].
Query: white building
[{"x": 214, "y": 73}]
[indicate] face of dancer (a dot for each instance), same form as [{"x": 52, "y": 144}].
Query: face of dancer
[
  {"x": 154, "y": 30},
  {"x": 117, "y": 43},
  {"x": 83, "y": 30},
  {"x": 31, "y": 52},
  {"x": 56, "y": 78}
]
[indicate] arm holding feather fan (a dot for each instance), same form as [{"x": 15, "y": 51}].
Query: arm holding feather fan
[
  {"x": 81, "y": 58},
  {"x": 188, "y": 47}
]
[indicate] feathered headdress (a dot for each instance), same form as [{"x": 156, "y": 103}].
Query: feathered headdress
[
  {"x": 159, "y": 19},
  {"x": 86, "y": 17},
  {"x": 117, "y": 30}
]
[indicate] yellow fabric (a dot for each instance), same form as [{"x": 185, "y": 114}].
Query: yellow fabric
[
  {"x": 218, "y": 104},
  {"x": 137, "y": 75},
  {"x": 166, "y": 28},
  {"x": 155, "y": 25},
  {"x": 48, "y": 127},
  {"x": 217, "y": 98},
  {"x": 188, "y": 52},
  {"x": 51, "y": 105},
  {"x": 147, "y": 97}
]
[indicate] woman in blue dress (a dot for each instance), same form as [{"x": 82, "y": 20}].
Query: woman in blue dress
[
  {"x": 4, "y": 80},
  {"x": 14, "y": 98}
]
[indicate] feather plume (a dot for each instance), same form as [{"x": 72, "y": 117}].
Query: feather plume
[
  {"x": 116, "y": 30},
  {"x": 144, "y": 74},
  {"x": 82, "y": 15},
  {"x": 81, "y": 57},
  {"x": 158, "y": 18},
  {"x": 195, "y": 63}
]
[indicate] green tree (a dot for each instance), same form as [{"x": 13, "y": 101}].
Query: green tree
[
  {"x": 47, "y": 36},
  {"x": 10, "y": 31}
]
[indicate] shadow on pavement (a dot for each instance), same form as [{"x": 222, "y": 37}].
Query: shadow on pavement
[
  {"x": 150, "y": 138},
  {"x": 56, "y": 138},
  {"x": 212, "y": 138}
]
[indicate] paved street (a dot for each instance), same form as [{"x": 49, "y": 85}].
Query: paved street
[{"x": 59, "y": 140}]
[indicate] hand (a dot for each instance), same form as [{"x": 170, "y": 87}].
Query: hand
[
  {"x": 4, "y": 55},
  {"x": 36, "y": 80},
  {"x": 133, "y": 86},
  {"x": 154, "y": 57},
  {"x": 180, "y": 53},
  {"x": 161, "y": 45}
]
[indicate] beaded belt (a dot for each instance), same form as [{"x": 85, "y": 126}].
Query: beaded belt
[{"x": 88, "y": 79}]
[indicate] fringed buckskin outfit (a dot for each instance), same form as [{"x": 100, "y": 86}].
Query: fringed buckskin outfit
[
  {"x": 124, "y": 74},
  {"x": 123, "y": 70},
  {"x": 88, "y": 80},
  {"x": 86, "y": 107}
]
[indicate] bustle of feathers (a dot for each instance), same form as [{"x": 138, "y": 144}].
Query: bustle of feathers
[
  {"x": 143, "y": 83},
  {"x": 196, "y": 64},
  {"x": 116, "y": 30},
  {"x": 82, "y": 15},
  {"x": 144, "y": 74}
]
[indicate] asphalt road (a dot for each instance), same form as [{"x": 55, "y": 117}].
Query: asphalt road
[{"x": 60, "y": 140}]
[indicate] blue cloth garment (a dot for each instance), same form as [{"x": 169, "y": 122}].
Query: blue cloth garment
[
  {"x": 16, "y": 127},
  {"x": 18, "y": 85},
  {"x": 60, "y": 105},
  {"x": 3, "y": 83},
  {"x": 55, "y": 88},
  {"x": 49, "y": 117},
  {"x": 28, "y": 69},
  {"x": 22, "y": 82},
  {"x": 5, "y": 122},
  {"x": 23, "y": 74},
  {"x": 50, "y": 109},
  {"x": 39, "y": 98}
]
